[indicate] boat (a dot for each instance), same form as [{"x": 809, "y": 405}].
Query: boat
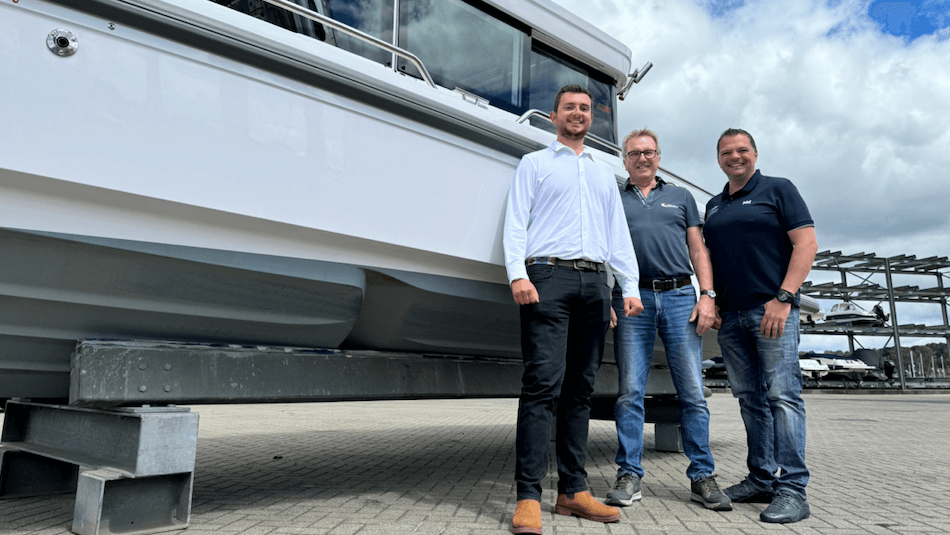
[
  {"x": 275, "y": 173},
  {"x": 810, "y": 311},
  {"x": 848, "y": 313},
  {"x": 812, "y": 368},
  {"x": 885, "y": 369},
  {"x": 841, "y": 367}
]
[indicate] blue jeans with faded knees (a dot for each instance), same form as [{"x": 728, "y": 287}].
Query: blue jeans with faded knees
[
  {"x": 765, "y": 377},
  {"x": 667, "y": 314},
  {"x": 562, "y": 342}
]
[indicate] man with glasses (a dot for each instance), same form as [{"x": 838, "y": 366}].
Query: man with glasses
[
  {"x": 762, "y": 244},
  {"x": 664, "y": 225},
  {"x": 563, "y": 223}
]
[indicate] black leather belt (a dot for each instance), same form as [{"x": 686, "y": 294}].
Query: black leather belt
[
  {"x": 663, "y": 285},
  {"x": 579, "y": 265}
]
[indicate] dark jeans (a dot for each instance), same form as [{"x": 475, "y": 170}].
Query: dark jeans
[
  {"x": 766, "y": 379},
  {"x": 562, "y": 343}
]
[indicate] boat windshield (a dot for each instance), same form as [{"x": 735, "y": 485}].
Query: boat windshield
[{"x": 463, "y": 44}]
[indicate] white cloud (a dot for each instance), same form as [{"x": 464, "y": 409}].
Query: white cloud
[{"x": 857, "y": 118}]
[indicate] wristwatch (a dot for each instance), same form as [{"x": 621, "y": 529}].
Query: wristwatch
[
  {"x": 710, "y": 293},
  {"x": 785, "y": 296}
]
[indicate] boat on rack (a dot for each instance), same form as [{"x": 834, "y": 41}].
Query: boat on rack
[
  {"x": 812, "y": 368},
  {"x": 317, "y": 174},
  {"x": 848, "y": 313},
  {"x": 841, "y": 367}
]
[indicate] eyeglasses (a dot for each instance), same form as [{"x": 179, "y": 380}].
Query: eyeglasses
[{"x": 635, "y": 154}]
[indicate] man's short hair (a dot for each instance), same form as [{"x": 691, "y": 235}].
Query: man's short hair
[
  {"x": 570, "y": 88},
  {"x": 643, "y": 132},
  {"x": 735, "y": 132}
]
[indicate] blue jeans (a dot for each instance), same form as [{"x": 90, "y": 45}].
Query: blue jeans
[
  {"x": 666, "y": 313},
  {"x": 766, "y": 379},
  {"x": 562, "y": 344}
]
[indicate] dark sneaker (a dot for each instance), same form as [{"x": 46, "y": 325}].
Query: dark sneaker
[
  {"x": 626, "y": 490},
  {"x": 706, "y": 491},
  {"x": 746, "y": 492},
  {"x": 786, "y": 507}
]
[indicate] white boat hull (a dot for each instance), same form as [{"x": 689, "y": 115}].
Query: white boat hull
[{"x": 156, "y": 190}]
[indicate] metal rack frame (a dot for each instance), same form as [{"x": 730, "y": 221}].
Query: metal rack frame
[{"x": 864, "y": 266}]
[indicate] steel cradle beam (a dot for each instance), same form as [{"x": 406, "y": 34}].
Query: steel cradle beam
[
  {"x": 132, "y": 468},
  {"x": 153, "y": 372}
]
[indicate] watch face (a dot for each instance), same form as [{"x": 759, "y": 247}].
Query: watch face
[{"x": 784, "y": 296}]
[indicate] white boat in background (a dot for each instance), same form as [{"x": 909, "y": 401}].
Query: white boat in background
[
  {"x": 813, "y": 368},
  {"x": 848, "y": 313},
  {"x": 840, "y": 367},
  {"x": 810, "y": 310}
]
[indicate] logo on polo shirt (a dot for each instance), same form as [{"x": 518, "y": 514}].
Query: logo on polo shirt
[
  {"x": 746, "y": 202},
  {"x": 668, "y": 205}
]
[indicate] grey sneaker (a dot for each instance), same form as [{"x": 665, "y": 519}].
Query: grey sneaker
[
  {"x": 786, "y": 507},
  {"x": 746, "y": 492},
  {"x": 626, "y": 490},
  {"x": 706, "y": 491}
]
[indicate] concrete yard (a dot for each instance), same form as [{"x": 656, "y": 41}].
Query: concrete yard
[{"x": 880, "y": 464}]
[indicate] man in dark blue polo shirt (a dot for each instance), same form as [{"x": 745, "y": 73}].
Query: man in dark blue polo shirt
[
  {"x": 665, "y": 229},
  {"x": 762, "y": 243}
]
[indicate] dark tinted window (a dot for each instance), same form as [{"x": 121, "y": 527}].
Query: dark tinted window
[
  {"x": 462, "y": 45},
  {"x": 465, "y": 47}
]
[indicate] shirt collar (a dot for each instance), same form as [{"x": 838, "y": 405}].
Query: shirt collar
[
  {"x": 557, "y": 146},
  {"x": 747, "y": 189},
  {"x": 659, "y": 182}
]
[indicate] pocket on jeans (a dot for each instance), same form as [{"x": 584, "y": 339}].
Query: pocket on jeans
[
  {"x": 687, "y": 290},
  {"x": 539, "y": 272}
]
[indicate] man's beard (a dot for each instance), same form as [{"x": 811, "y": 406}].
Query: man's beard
[{"x": 574, "y": 136}]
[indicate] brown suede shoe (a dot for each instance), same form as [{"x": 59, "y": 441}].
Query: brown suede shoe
[
  {"x": 585, "y": 506},
  {"x": 527, "y": 517}
]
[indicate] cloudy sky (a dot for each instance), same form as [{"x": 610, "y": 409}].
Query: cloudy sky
[{"x": 850, "y": 99}]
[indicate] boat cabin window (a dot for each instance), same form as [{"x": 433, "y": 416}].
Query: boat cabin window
[
  {"x": 374, "y": 17},
  {"x": 463, "y": 44},
  {"x": 550, "y": 71}
]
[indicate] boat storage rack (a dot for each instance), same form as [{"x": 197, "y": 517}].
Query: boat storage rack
[{"x": 132, "y": 468}]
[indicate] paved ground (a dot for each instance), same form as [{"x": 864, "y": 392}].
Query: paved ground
[{"x": 880, "y": 464}]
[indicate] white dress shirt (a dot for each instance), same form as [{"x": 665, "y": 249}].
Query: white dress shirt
[{"x": 568, "y": 206}]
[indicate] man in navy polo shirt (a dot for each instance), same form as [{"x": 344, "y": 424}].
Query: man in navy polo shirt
[
  {"x": 762, "y": 243},
  {"x": 665, "y": 229}
]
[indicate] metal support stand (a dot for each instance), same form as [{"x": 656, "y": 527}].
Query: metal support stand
[
  {"x": 132, "y": 468},
  {"x": 668, "y": 437}
]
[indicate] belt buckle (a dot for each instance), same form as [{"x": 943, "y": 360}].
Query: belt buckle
[
  {"x": 665, "y": 285},
  {"x": 578, "y": 265}
]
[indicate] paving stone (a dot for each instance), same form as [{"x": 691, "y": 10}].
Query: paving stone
[{"x": 879, "y": 465}]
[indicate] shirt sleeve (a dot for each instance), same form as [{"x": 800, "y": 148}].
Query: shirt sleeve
[
  {"x": 517, "y": 218},
  {"x": 692, "y": 212},
  {"x": 622, "y": 257},
  {"x": 793, "y": 212}
]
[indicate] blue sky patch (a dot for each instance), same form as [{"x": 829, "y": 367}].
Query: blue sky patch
[
  {"x": 722, "y": 8},
  {"x": 911, "y": 19}
]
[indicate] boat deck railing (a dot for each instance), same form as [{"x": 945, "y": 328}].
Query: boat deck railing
[
  {"x": 412, "y": 58},
  {"x": 353, "y": 32}
]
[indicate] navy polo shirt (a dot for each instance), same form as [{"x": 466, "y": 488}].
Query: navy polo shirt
[
  {"x": 658, "y": 226},
  {"x": 747, "y": 237}
]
